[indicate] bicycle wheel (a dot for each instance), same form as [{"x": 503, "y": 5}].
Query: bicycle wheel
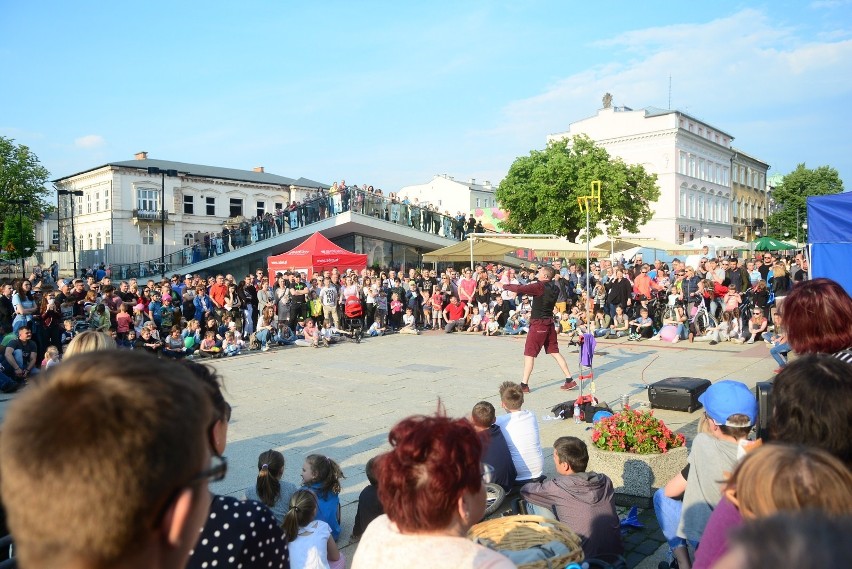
[{"x": 494, "y": 495}]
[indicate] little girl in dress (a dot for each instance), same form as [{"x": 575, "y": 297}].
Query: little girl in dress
[{"x": 310, "y": 542}]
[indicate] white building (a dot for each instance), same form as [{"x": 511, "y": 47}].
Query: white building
[
  {"x": 452, "y": 196},
  {"x": 121, "y": 204},
  {"x": 691, "y": 158}
]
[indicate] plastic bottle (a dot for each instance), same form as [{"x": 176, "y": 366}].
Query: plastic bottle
[{"x": 576, "y": 412}]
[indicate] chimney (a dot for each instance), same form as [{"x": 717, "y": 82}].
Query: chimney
[
  {"x": 141, "y": 155},
  {"x": 487, "y": 184},
  {"x": 258, "y": 169},
  {"x": 472, "y": 181}
]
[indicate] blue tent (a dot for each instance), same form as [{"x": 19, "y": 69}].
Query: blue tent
[{"x": 830, "y": 237}]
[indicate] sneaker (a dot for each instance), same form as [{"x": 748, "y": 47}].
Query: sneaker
[
  {"x": 713, "y": 342},
  {"x": 657, "y": 337},
  {"x": 264, "y": 348},
  {"x": 325, "y": 342},
  {"x": 525, "y": 387},
  {"x": 569, "y": 385},
  {"x": 750, "y": 341}
]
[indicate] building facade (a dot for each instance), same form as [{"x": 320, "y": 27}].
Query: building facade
[
  {"x": 121, "y": 203},
  {"x": 452, "y": 196},
  {"x": 751, "y": 197},
  {"x": 692, "y": 159}
]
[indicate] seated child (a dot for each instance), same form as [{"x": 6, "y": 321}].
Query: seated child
[
  {"x": 322, "y": 475},
  {"x": 369, "y": 506},
  {"x": 641, "y": 327},
  {"x": 585, "y": 501},
  {"x": 375, "y": 329},
  {"x": 408, "y": 324},
  {"x": 476, "y": 324},
  {"x": 51, "y": 357},
  {"x": 208, "y": 347},
  {"x": 232, "y": 346},
  {"x": 67, "y": 334}
]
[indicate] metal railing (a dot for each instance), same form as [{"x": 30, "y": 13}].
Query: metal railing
[{"x": 297, "y": 216}]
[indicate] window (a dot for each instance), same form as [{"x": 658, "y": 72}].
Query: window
[
  {"x": 106, "y": 200},
  {"x": 211, "y": 206},
  {"x": 682, "y": 163},
  {"x": 692, "y": 165},
  {"x": 683, "y": 202},
  {"x": 188, "y": 239},
  {"x": 91, "y": 242},
  {"x": 478, "y": 202},
  {"x": 148, "y": 237},
  {"x": 702, "y": 169},
  {"x": 701, "y": 207},
  {"x": 54, "y": 237},
  {"x": 188, "y": 205},
  {"x": 88, "y": 203},
  {"x": 147, "y": 199},
  {"x": 691, "y": 206},
  {"x": 81, "y": 243},
  {"x": 99, "y": 241},
  {"x": 279, "y": 206},
  {"x": 725, "y": 217},
  {"x": 98, "y": 203},
  {"x": 736, "y": 210},
  {"x": 724, "y": 175},
  {"x": 236, "y": 207},
  {"x": 107, "y": 238},
  {"x": 79, "y": 205},
  {"x": 261, "y": 208}
]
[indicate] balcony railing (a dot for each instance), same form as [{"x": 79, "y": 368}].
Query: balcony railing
[{"x": 148, "y": 215}]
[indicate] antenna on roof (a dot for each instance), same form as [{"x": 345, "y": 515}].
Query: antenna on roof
[{"x": 670, "y": 92}]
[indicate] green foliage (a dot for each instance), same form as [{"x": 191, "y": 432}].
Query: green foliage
[
  {"x": 22, "y": 177},
  {"x": 12, "y": 242},
  {"x": 792, "y": 194},
  {"x": 540, "y": 191}
]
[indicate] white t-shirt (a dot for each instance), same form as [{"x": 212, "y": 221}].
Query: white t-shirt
[
  {"x": 310, "y": 549},
  {"x": 521, "y": 432},
  {"x": 382, "y": 545}
]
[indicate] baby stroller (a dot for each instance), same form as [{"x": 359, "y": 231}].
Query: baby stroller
[{"x": 353, "y": 318}]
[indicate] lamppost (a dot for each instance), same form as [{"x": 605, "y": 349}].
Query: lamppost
[
  {"x": 73, "y": 194},
  {"x": 163, "y": 174},
  {"x": 21, "y": 202}
]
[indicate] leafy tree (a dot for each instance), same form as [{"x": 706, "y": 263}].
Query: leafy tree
[
  {"x": 14, "y": 241},
  {"x": 792, "y": 194},
  {"x": 22, "y": 177},
  {"x": 540, "y": 191}
]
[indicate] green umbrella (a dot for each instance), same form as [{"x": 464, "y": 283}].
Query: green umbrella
[{"x": 772, "y": 244}]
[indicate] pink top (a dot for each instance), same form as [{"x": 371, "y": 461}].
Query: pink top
[{"x": 123, "y": 320}]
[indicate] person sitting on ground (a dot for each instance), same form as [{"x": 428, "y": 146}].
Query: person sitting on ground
[
  {"x": 584, "y": 501},
  {"x": 311, "y": 544},
  {"x": 620, "y": 323},
  {"x": 155, "y": 427},
  {"x": 208, "y": 347},
  {"x": 730, "y": 411},
  {"x": 601, "y": 323},
  {"x": 515, "y": 325},
  {"x": 369, "y": 505},
  {"x": 775, "y": 478},
  {"x": 641, "y": 327},
  {"x": 19, "y": 361},
  {"x": 431, "y": 487},
  {"x": 520, "y": 429},
  {"x": 269, "y": 488},
  {"x": 757, "y": 325},
  {"x": 495, "y": 449},
  {"x": 408, "y": 323},
  {"x": 322, "y": 476},
  {"x": 174, "y": 346}
]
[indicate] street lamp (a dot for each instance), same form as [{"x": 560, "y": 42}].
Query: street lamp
[
  {"x": 21, "y": 202},
  {"x": 72, "y": 194},
  {"x": 163, "y": 174}
]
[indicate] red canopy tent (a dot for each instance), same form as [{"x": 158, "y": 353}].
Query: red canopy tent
[{"x": 313, "y": 255}]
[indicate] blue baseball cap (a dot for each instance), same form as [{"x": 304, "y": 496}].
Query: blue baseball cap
[{"x": 726, "y": 398}]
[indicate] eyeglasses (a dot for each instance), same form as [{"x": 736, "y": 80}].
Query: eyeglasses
[
  {"x": 488, "y": 473},
  {"x": 215, "y": 472}
]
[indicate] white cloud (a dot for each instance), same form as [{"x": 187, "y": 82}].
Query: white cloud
[{"x": 89, "y": 141}]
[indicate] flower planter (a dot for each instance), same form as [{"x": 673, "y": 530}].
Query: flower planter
[{"x": 637, "y": 475}]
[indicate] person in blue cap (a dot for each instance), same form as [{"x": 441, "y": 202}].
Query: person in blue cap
[{"x": 684, "y": 505}]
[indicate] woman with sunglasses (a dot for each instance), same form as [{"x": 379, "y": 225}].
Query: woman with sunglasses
[{"x": 237, "y": 532}]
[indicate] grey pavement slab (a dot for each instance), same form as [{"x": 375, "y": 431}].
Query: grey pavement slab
[{"x": 342, "y": 401}]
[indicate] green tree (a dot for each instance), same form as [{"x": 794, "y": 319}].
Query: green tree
[
  {"x": 540, "y": 191},
  {"x": 22, "y": 177},
  {"x": 793, "y": 192},
  {"x": 14, "y": 241}
]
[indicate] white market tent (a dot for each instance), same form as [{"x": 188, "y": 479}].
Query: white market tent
[
  {"x": 717, "y": 243},
  {"x": 494, "y": 248},
  {"x": 620, "y": 244}
]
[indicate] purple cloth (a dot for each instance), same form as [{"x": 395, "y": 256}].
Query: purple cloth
[
  {"x": 587, "y": 350},
  {"x": 714, "y": 541}
]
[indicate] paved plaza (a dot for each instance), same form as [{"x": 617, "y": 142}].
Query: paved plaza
[{"x": 341, "y": 401}]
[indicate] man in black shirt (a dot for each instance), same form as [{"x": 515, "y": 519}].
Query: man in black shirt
[
  {"x": 19, "y": 361},
  {"x": 542, "y": 332}
]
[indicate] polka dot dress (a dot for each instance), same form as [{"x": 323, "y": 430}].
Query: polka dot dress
[{"x": 240, "y": 535}]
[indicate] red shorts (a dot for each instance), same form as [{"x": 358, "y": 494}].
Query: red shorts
[{"x": 542, "y": 334}]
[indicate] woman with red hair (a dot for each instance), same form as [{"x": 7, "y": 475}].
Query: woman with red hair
[
  {"x": 818, "y": 317},
  {"x": 431, "y": 488}
]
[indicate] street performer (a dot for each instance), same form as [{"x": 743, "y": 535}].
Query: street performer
[{"x": 542, "y": 332}]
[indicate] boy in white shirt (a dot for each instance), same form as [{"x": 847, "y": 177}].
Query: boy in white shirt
[{"x": 520, "y": 429}]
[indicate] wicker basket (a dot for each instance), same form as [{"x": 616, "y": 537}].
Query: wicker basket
[{"x": 523, "y": 532}]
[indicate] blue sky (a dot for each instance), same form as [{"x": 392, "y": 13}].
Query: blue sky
[{"x": 391, "y": 93}]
